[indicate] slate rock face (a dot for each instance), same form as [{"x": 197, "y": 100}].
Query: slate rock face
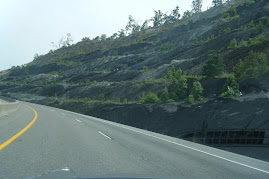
[{"x": 125, "y": 69}]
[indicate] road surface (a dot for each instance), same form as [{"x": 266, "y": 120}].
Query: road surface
[{"x": 90, "y": 147}]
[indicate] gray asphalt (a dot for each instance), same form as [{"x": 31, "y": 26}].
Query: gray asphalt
[{"x": 93, "y": 147}]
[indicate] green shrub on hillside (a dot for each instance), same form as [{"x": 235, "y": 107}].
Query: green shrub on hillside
[
  {"x": 195, "y": 40},
  {"x": 225, "y": 15},
  {"x": 212, "y": 37},
  {"x": 166, "y": 47},
  {"x": 227, "y": 30},
  {"x": 251, "y": 25},
  {"x": 265, "y": 20},
  {"x": 101, "y": 97},
  {"x": 233, "y": 43},
  {"x": 178, "y": 89},
  {"x": 117, "y": 100},
  {"x": 149, "y": 98},
  {"x": 231, "y": 15},
  {"x": 255, "y": 64},
  {"x": 214, "y": 66},
  {"x": 191, "y": 99},
  {"x": 173, "y": 73},
  {"x": 233, "y": 12},
  {"x": 26, "y": 72},
  {"x": 116, "y": 53},
  {"x": 230, "y": 88},
  {"x": 242, "y": 43},
  {"x": 197, "y": 91},
  {"x": 145, "y": 69},
  {"x": 260, "y": 28},
  {"x": 164, "y": 97},
  {"x": 125, "y": 101}
]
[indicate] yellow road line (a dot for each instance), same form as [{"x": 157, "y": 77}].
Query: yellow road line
[{"x": 2, "y": 146}]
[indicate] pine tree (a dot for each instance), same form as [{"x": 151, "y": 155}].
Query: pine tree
[
  {"x": 213, "y": 66},
  {"x": 197, "y": 91},
  {"x": 164, "y": 96},
  {"x": 197, "y": 6},
  {"x": 217, "y": 2}
]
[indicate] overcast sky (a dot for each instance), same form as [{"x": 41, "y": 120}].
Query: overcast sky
[{"x": 28, "y": 27}]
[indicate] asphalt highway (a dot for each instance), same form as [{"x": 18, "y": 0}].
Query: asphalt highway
[{"x": 90, "y": 147}]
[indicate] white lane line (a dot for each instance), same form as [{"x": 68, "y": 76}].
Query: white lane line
[
  {"x": 104, "y": 135},
  {"x": 78, "y": 120},
  {"x": 198, "y": 150},
  {"x": 182, "y": 145}
]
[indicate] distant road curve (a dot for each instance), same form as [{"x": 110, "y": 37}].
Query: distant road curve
[{"x": 88, "y": 146}]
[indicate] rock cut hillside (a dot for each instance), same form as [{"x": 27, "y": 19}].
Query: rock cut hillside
[{"x": 131, "y": 73}]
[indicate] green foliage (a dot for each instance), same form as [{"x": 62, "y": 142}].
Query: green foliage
[
  {"x": 250, "y": 1},
  {"x": 225, "y": 15},
  {"x": 187, "y": 14},
  {"x": 233, "y": 12},
  {"x": 233, "y": 43},
  {"x": 125, "y": 101},
  {"x": 265, "y": 20},
  {"x": 158, "y": 18},
  {"x": 166, "y": 47},
  {"x": 230, "y": 88},
  {"x": 108, "y": 70},
  {"x": 164, "y": 96},
  {"x": 213, "y": 66},
  {"x": 250, "y": 41},
  {"x": 145, "y": 69},
  {"x": 178, "y": 88},
  {"x": 242, "y": 43},
  {"x": 227, "y": 30},
  {"x": 158, "y": 40},
  {"x": 116, "y": 53},
  {"x": 260, "y": 28},
  {"x": 231, "y": 15},
  {"x": 149, "y": 98},
  {"x": 197, "y": 6},
  {"x": 182, "y": 43},
  {"x": 101, "y": 97},
  {"x": 191, "y": 99},
  {"x": 52, "y": 73},
  {"x": 212, "y": 37},
  {"x": 26, "y": 72},
  {"x": 216, "y": 2},
  {"x": 85, "y": 39},
  {"x": 197, "y": 91},
  {"x": 103, "y": 37},
  {"x": 260, "y": 39},
  {"x": 251, "y": 25},
  {"x": 117, "y": 100},
  {"x": 62, "y": 61},
  {"x": 195, "y": 40},
  {"x": 173, "y": 73},
  {"x": 254, "y": 65}
]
